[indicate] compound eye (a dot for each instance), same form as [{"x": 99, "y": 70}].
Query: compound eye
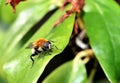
[{"x": 47, "y": 45}]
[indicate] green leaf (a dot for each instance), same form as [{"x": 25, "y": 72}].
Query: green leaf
[
  {"x": 1, "y": 34},
  {"x": 19, "y": 68},
  {"x": 1, "y": 38},
  {"x": 25, "y": 21},
  {"x": 70, "y": 72},
  {"x": 103, "y": 28}
]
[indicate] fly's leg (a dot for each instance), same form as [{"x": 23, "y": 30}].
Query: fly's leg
[
  {"x": 34, "y": 54},
  {"x": 31, "y": 57}
]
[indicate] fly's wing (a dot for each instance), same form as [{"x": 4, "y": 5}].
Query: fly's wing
[{"x": 30, "y": 46}]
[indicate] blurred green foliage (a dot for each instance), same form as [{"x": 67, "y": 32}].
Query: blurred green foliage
[{"x": 18, "y": 29}]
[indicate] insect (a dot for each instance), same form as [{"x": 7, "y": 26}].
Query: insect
[{"x": 40, "y": 46}]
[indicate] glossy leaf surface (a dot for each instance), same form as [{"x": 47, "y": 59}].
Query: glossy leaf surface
[
  {"x": 20, "y": 67},
  {"x": 70, "y": 72},
  {"x": 103, "y": 28}
]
